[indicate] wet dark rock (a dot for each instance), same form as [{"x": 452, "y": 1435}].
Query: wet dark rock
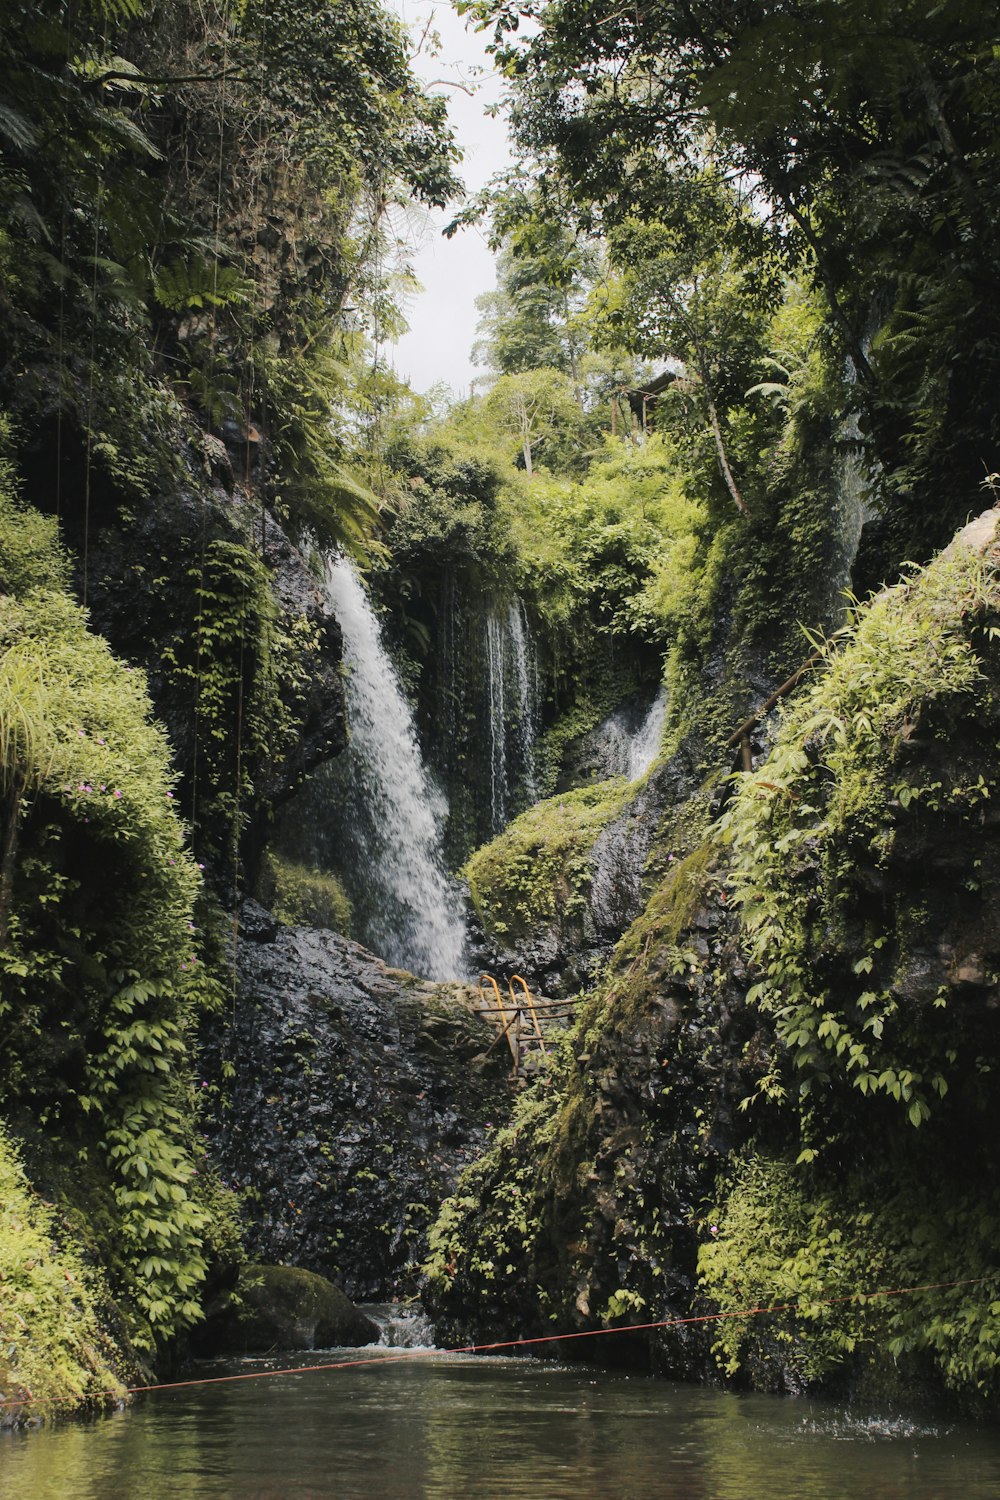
[{"x": 359, "y": 1094}]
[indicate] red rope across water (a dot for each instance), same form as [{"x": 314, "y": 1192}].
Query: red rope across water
[{"x": 524, "y": 1343}]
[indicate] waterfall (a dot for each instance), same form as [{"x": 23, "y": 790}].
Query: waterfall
[
  {"x": 627, "y": 742},
  {"x": 621, "y": 849},
  {"x": 391, "y": 815},
  {"x": 526, "y": 703},
  {"x": 497, "y": 718},
  {"x": 644, "y": 744},
  {"x": 512, "y": 711}
]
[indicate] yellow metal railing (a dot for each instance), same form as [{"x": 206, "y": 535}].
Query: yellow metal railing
[
  {"x": 516, "y": 979},
  {"x": 512, "y": 1038},
  {"x": 520, "y": 1008}
]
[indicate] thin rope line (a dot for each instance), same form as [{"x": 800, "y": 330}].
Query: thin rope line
[{"x": 522, "y": 1343}]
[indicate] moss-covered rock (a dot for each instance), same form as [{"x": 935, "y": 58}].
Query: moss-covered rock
[
  {"x": 286, "y": 1307},
  {"x": 530, "y": 886},
  {"x": 303, "y": 896}
]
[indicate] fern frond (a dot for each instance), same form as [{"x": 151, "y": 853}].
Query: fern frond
[{"x": 195, "y": 284}]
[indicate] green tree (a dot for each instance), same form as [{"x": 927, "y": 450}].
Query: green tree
[
  {"x": 537, "y": 409},
  {"x": 535, "y": 319},
  {"x": 690, "y": 294},
  {"x": 868, "y": 134}
]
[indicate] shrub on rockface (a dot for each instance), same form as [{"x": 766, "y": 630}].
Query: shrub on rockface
[
  {"x": 304, "y": 896},
  {"x": 892, "y": 750},
  {"x": 101, "y": 975},
  {"x": 55, "y": 1353},
  {"x": 815, "y": 1252}
]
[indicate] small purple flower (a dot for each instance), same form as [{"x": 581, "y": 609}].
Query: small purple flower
[
  {"x": 713, "y": 1228},
  {"x": 117, "y": 793}
]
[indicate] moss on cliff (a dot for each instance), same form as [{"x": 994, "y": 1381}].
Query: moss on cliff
[{"x": 537, "y": 873}]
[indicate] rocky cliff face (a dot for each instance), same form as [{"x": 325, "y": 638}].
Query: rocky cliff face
[
  {"x": 784, "y": 1088},
  {"x": 204, "y": 589},
  {"x": 357, "y": 1094}
]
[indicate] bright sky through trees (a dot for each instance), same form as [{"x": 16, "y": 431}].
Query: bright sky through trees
[{"x": 452, "y": 272}]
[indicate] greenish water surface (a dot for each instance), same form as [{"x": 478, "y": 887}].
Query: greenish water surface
[{"x": 430, "y": 1426}]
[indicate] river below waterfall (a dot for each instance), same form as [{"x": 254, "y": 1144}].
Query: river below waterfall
[{"x": 432, "y": 1426}]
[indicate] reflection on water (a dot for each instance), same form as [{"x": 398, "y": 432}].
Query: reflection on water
[{"x": 437, "y": 1427}]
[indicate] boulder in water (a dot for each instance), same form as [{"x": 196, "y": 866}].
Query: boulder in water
[{"x": 286, "y": 1307}]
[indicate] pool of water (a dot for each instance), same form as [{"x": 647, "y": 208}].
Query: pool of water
[{"x": 417, "y": 1425}]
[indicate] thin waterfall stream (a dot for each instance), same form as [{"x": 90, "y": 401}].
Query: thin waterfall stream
[
  {"x": 389, "y": 810},
  {"x": 512, "y": 711}
]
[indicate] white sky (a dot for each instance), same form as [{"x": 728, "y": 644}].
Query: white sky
[{"x": 453, "y": 272}]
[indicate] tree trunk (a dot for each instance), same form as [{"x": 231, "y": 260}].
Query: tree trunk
[
  {"x": 9, "y": 853},
  {"x": 713, "y": 415}
]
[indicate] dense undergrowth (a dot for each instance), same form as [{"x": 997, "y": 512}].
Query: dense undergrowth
[
  {"x": 103, "y": 977},
  {"x": 54, "y": 1316}
]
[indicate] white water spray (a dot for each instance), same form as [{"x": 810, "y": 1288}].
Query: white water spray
[
  {"x": 644, "y": 745},
  {"x": 393, "y": 824}
]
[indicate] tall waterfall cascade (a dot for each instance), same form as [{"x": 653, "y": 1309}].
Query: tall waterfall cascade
[
  {"x": 512, "y": 711},
  {"x": 392, "y": 814}
]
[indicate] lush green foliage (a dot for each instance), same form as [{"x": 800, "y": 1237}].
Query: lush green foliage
[
  {"x": 827, "y": 955},
  {"x": 101, "y": 975},
  {"x": 621, "y": 547},
  {"x": 54, "y": 1353},
  {"x": 223, "y": 176},
  {"x": 869, "y": 135}
]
